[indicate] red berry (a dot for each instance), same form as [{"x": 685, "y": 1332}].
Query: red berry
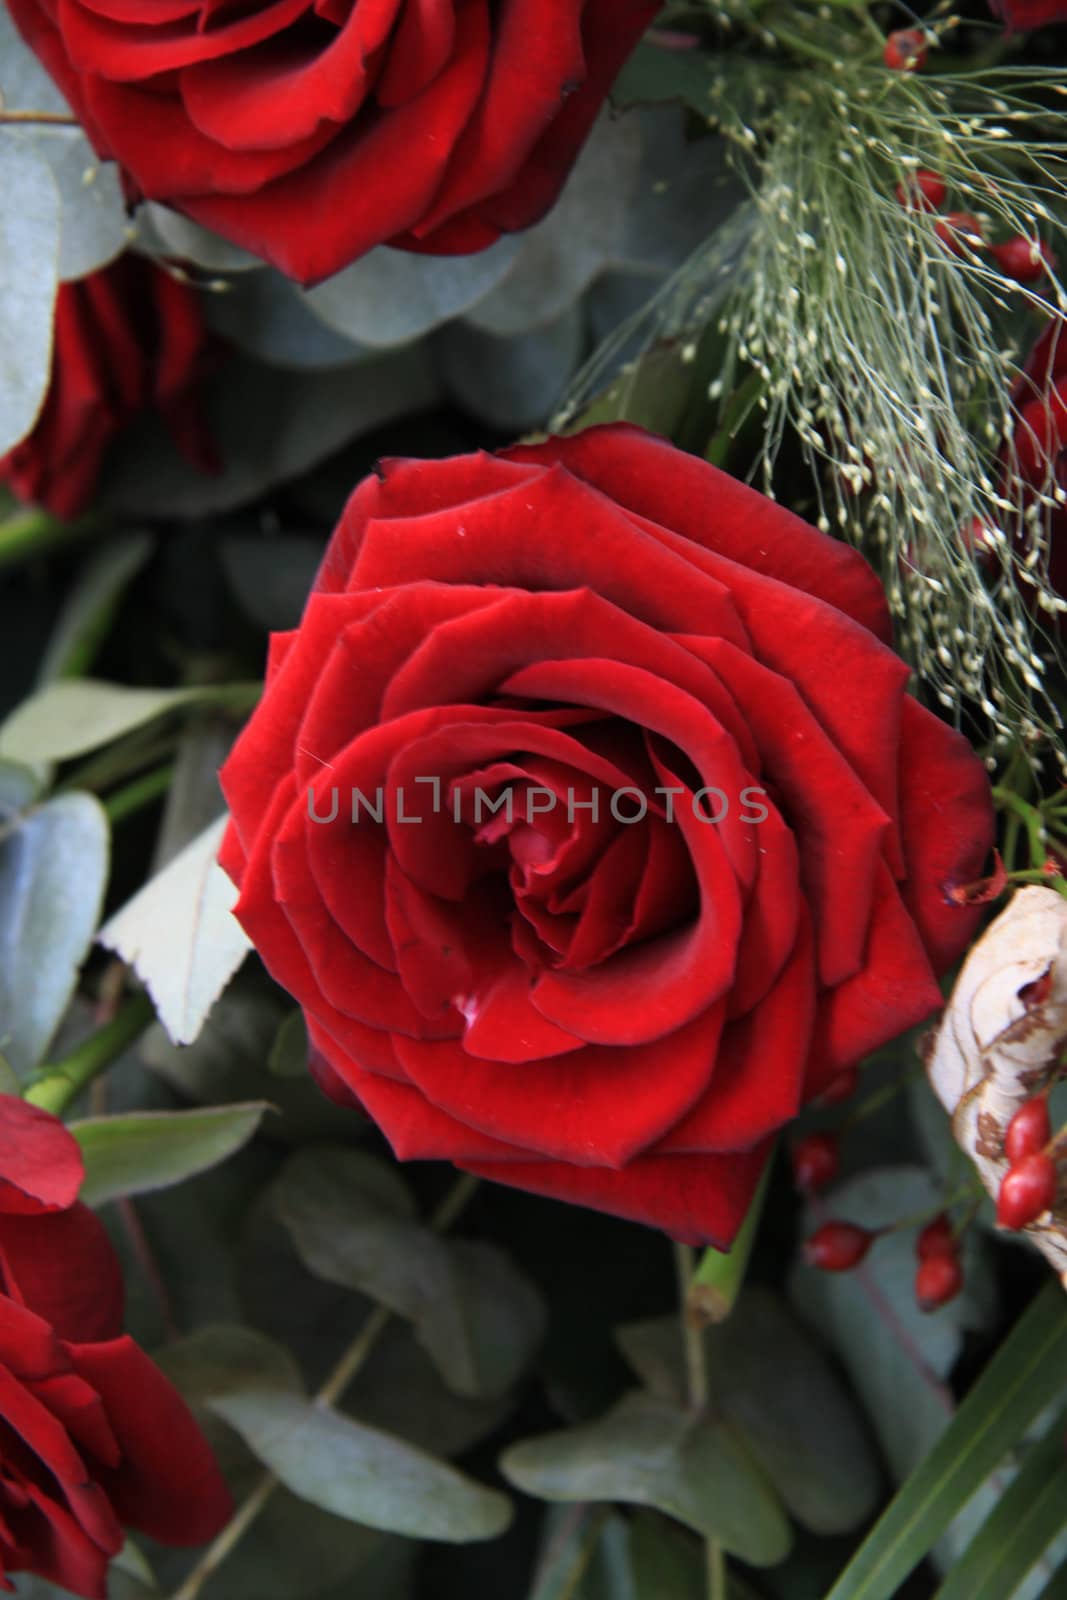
[
  {"x": 923, "y": 190},
  {"x": 1028, "y": 1131},
  {"x": 937, "y": 1241},
  {"x": 815, "y": 1161},
  {"x": 960, "y": 232},
  {"x": 905, "y": 50},
  {"x": 1025, "y": 260},
  {"x": 837, "y": 1246},
  {"x": 842, "y": 1086},
  {"x": 1026, "y": 1190},
  {"x": 938, "y": 1280}
]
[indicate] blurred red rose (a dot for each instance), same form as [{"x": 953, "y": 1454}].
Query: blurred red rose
[
  {"x": 309, "y": 131},
  {"x": 127, "y": 338},
  {"x": 92, "y": 1436},
  {"x": 1024, "y": 14},
  {"x": 610, "y": 1011}
]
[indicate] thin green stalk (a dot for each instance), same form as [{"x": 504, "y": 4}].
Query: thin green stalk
[
  {"x": 697, "y": 1390},
  {"x": 62, "y": 1081},
  {"x": 331, "y": 1391},
  {"x": 141, "y": 792},
  {"x": 717, "y": 1282},
  {"x": 33, "y": 533}
]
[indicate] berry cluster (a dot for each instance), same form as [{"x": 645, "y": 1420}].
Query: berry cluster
[
  {"x": 1029, "y": 1186},
  {"x": 1021, "y": 259}
]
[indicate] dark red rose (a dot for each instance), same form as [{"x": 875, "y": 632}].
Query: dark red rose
[
  {"x": 616, "y": 1013},
  {"x": 127, "y": 338},
  {"x": 92, "y": 1436},
  {"x": 1022, "y": 14},
  {"x": 310, "y": 131},
  {"x": 1038, "y": 455}
]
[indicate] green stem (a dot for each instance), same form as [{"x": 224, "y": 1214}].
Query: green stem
[
  {"x": 331, "y": 1391},
  {"x": 62, "y": 1081},
  {"x": 696, "y": 1370},
  {"x": 33, "y": 533},
  {"x": 141, "y": 792},
  {"x": 717, "y": 1281}
]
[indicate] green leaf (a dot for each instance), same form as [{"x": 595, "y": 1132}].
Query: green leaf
[
  {"x": 53, "y": 868},
  {"x": 654, "y": 74},
  {"x": 90, "y": 608},
  {"x": 1028, "y": 1516},
  {"x": 1024, "y": 1377},
  {"x": 665, "y": 1564},
  {"x": 68, "y": 718},
  {"x": 358, "y": 1472},
  {"x": 477, "y": 1317},
  {"x": 338, "y": 1464},
  {"x": 29, "y": 263},
  {"x": 181, "y": 937},
  {"x": 647, "y": 1451},
  {"x": 19, "y": 788},
  {"x": 769, "y": 1379},
  {"x": 289, "y": 1052},
  {"x": 147, "y": 1150}
]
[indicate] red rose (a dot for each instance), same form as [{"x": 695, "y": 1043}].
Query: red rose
[
  {"x": 1038, "y": 453},
  {"x": 616, "y": 1013},
  {"x": 310, "y": 131},
  {"x": 92, "y": 1435},
  {"x": 127, "y": 338},
  {"x": 1029, "y": 13}
]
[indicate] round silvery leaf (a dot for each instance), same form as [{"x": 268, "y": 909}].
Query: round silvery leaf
[
  {"x": 391, "y": 297},
  {"x": 684, "y": 190},
  {"x": 24, "y": 83},
  {"x": 94, "y": 227},
  {"x": 29, "y": 261},
  {"x": 265, "y": 314},
  {"x": 512, "y": 384},
  {"x": 163, "y": 232},
  {"x": 564, "y": 253}
]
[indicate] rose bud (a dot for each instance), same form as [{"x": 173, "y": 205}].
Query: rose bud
[
  {"x": 815, "y": 1161},
  {"x": 1028, "y": 1131},
  {"x": 837, "y": 1246},
  {"x": 1027, "y": 1190},
  {"x": 938, "y": 1280}
]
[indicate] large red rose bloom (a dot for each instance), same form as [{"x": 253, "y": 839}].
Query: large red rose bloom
[
  {"x": 611, "y": 1011},
  {"x": 309, "y": 131},
  {"x": 92, "y": 1436}
]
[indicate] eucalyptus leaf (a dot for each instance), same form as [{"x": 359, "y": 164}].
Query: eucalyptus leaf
[
  {"x": 164, "y": 232},
  {"x": 24, "y": 83},
  {"x": 654, "y": 73},
  {"x": 265, "y": 315},
  {"x": 94, "y": 228},
  {"x": 478, "y": 1317},
  {"x": 68, "y": 718},
  {"x": 142, "y": 1151},
  {"x": 19, "y": 788},
  {"x": 1023, "y": 1378},
  {"x": 582, "y": 234},
  {"x": 53, "y": 869},
  {"x": 271, "y": 580},
  {"x": 181, "y": 937},
  {"x": 647, "y": 1451},
  {"x": 390, "y": 297},
  {"x": 511, "y": 383},
  {"x": 331, "y": 1460},
  {"x": 29, "y": 275},
  {"x": 769, "y": 1379}
]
